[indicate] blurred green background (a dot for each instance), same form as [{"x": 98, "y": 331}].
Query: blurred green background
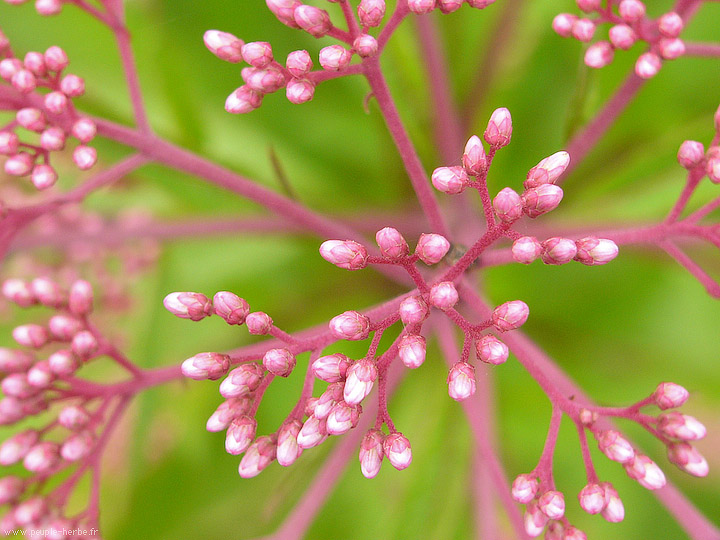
[{"x": 617, "y": 330}]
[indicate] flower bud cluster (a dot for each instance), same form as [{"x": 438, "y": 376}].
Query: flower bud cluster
[
  {"x": 692, "y": 155},
  {"x": 630, "y": 25},
  {"x": 421, "y": 7},
  {"x": 590, "y": 251}
]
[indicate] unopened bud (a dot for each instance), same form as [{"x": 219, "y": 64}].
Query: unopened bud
[
  {"x": 461, "y": 381},
  {"x": 350, "y": 325},
  {"x": 344, "y": 254},
  {"x": 499, "y": 129},
  {"x": 491, "y": 350},
  {"x": 510, "y": 315}
]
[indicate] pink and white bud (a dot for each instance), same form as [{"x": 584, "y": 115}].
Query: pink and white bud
[
  {"x": 712, "y": 165},
  {"x": 73, "y": 417},
  {"x": 16, "y": 385},
  {"x": 52, "y": 139},
  {"x": 599, "y": 55},
  {"x": 19, "y": 292},
  {"x": 397, "y": 450},
  {"x": 240, "y": 435},
  {"x": 524, "y": 488},
  {"x": 508, "y": 205},
  {"x": 64, "y": 327},
  {"x": 40, "y": 375},
  {"x": 260, "y": 454},
  {"x": 491, "y": 350},
  {"x": 541, "y": 200},
  {"x": 56, "y": 58},
  {"x": 72, "y": 86},
  {"x": 77, "y": 446},
  {"x": 646, "y": 472},
  {"x": 344, "y": 254},
  {"x": 413, "y": 310},
  {"x": 312, "y": 433},
  {"x": 43, "y": 176},
  {"x": 587, "y": 417},
  {"x": 449, "y": 6},
  {"x": 207, "y": 365},
  {"x": 84, "y": 130},
  {"x": 371, "y": 12},
  {"x": 359, "y": 382},
  {"x": 15, "y": 448},
  {"x": 48, "y": 292},
  {"x": 258, "y": 54},
  {"x": 287, "y": 446},
  {"x": 614, "y": 511},
  {"x": 526, "y": 249},
  {"x": 555, "y": 531},
  {"x": 412, "y": 350},
  {"x": 314, "y": 21},
  {"x": 327, "y": 400},
  {"x": 299, "y": 91},
  {"x": 350, "y": 325},
  {"x": 669, "y": 395},
  {"x": 670, "y": 24},
  {"x": 11, "y": 487},
  {"x": 392, "y": 244},
  {"x": 47, "y": 8},
  {"x": 224, "y": 45},
  {"x": 15, "y": 361},
  {"x": 299, "y": 63},
  {"x": 9, "y": 143},
  {"x": 258, "y": 323},
  {"x": 241, "y": 381},
  {"x": 461, "y": 381},
  {"x": 631, "y": 10},
  {"x": 681, "y": 426},
  {"x": 279, "y": 362},
  {"x": 31, "y": 119},
  {"x": 226, "y": 412},
  {"x": 687, "y": 458},
  {"x": 24, "y": 81},
  {"x": 431, "y": 248},
  {"x": 30, "y": 335},
  {"x": 558, "y": 250},
  {"x": 510, "y": 315},
  {"x": 284, "y": 10},
  {"x": 11, "y": 410},
  {"x": 63, "y": 363},
  {"x": 243, "y": 100},
  {"x": 583, "y": 30},
  {"x": 30, "y": 511},
  {"x": 188, "y": 305},
  {"x": 563, "y": 24},
  {"x": 552, "y": 504},
  {"x": 589, "y": 5},
  {"x": 499, "y": 128},
  {"x": 84, "y": 345},
  {"x": 691, "y": 154},
  {"x": 534, "y": 520},
  {"x": 450, "y": 180},
  {"x": 573, "y": 533},
  {"x": 647, "y": 66},
  {"x": 21, "y": 164},
  {"x": 80, "y": 299},
  {"x": 230, "y": 307},
  {"x": 592, "y": 498},
  {"x": 371, "y": 453},
  {"x": 548, "y": 170},
  {"x": 615, "y": 446},
  {"x": 592, "y": 251},
  {"x": 365, "y": 45},
  {"x": 84, "y": 157},
  {"x": 671, "y": 48},
  {"x": 42, "y": 457},
  {"x": 622, "y": 36},
  {"x": 9, "y": 67},
  {"x": 342, "y": 418},
  {"x": 55, "y": 102},
  {"x": 474, "y": 159},
  {"x": 263, "y": 81},
  {"x": 443, "y": 295},
  {"x": 331, "y": 368},
  {"x": 421, "y": 7},
  {"x": 334, "y": 57}
]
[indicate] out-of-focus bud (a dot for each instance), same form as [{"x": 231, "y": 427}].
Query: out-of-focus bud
[
  {"x": 670, "y": 24},
  {"x": 19, "y": 292},
  {"x": 42, "y": 457},
  {"x": 615, "y": 446},
  {"x": 84, "y": 130},
  {"x": 646, "y": 472},
  {"x": 55, "y": 58},
  {"x": 589, "y": 5},
  {"x": 77, "y": 446},
  {"x": 392, "y": 244},
  {"x": 84, "y": 345},
  {"x": 681, "y": 426},
  {"x": 359, "y": 382},
  {"x": 188, "y": 305},
  {"x": 241, "y": 381},
  {"x": 599, "y": 55},
  {"x": 421, "y": 6},
  {"x": 712, "y": 166},
  {"x": 508, "y": 205},
  {"x": 258, "y": 323},
  {"x": 491, "y": 350},
  {"x": 371, "y": 12},
  {"x": 55, "y": 102},
  {"x": 647, "y": 66},
  {"x": 499, "y": 128},
  {"x": 526, "y": 249},
  {"x": 224, "y": 45},
  {"x": 614, "y": 511},
  {"x": 583, "y": 30},
  {"x": 397, "y": 450},
  {"x": 371, "y": 453},
  {"x": 592, "y": 498},
  {"x": 450, "y": 180},
  {"x": 541, "y": 200},
  {"x": 298, "y": 63},
  {"x": 631, "y": 10},
  {"x": 240, "y": 435},
  {"x": 30, "y": 335},
  {"x": 691, "y": 154},
  {"x": 15, "y": 361},
  {"x": 63, "y": 363},
  {"x": 350, "y": 325},
  {"x": 11, "y": 487},
  {"x": 9, "y": 143},
  {"x": 558, "y": 250},
  {"x": 31, "y": 119},
  {"x": 73, "y": 417},
  {"x": 592, "y": 251},
  {"x": 314, "y": 21},
  {"x": 15, "y": 448},
  {"x": 334, "y": 57},
  {"x": 510, "y": 315},
  {"x": 671, "y": 48},
  {"x": 622, "y": 36},
  {"x": 40, "y": 375},
  {"x": 344, "y": 254},
  {"x": 552, "y": 504},
  {"x": 53, "y": 139},
  {"x": 48, "y": 292},
  {"x": 449, "y": 6},
  {"x": 24, "y": 81},
  {"x": 461, "y": 381},
  {"x": 331, "y": 368},
  {"x": 413, "y": 310},
  {"x": 207, "y": 365},
  {"x": 30, "y": 511},
  {"x": 84, "y": 157},
  {"x": 524, "y": 488},
  {"x": 474, "y": 159},
  {"x": 687, "y": 458},
  {"x": 669, "y": 395},
  {"x": 412, "y": 350},
  {"x": 80, "y": 299},
  {"x": 72, "y": 86},
  {"x": 431, "y": 248},
  {"x": 443, "y": 295},
  {"x": 563, "y": 24},
  {"x": 260, "y": 454},
  {"x": 21, "y": 164},
  {"x": 534, "y": 520},
  {"x": 63, "y": 327},
  {"x": 47, "y": 8}
]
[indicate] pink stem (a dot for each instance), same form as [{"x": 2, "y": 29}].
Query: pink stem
[
  {"x": 711, "y": 50},
  {"x": 712, "y": 287},
  {"x": 122, "y": 36}
]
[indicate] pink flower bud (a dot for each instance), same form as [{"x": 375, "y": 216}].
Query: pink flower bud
[
  {"x": 230, "y": 307},
  {"x": 279, "y": 362},
  {"x": 392, "y": 244},
  {"x": 73, "y": 417},
  {"x": 359, "y": 382},
  {"x": 84, "y": 345},
  {"x": 397, "y": 449},
  {"x": 19, "y": 292},
  {"x": 11, "y": 410},
  {"x": 593, "y": 251},
  {"x": 681, "y": 426},
  {"x": 622, "y": 36},
  {"x": 589, "y": 5},
  {"x": 631, "y": 10},
  {"x": 510, "y": 315},
  {"x": 671, "y": 48},
  {"x": 371, "y": 12},
  {"x": 365, "y": 45},
  {"x": 350, "y": 325},
  {"x": 16, "y": 385},
  {"x": 287, "y": 446},
  {"x": 23, "y": 81},
  {"x": 583, "y": 30},
  {"x": 30, "y": 511},
  {"x": 81, "y": 298},
  {"x": 20, "y": 164},
  {"x": 687, "y": 458},
  {"x": 31, "y": 119},
  {"x": 552, "y": 504},
  {"x": 461, "y": 381},
  {"x": 258, "y": 54},
  {"x": 599, "y": 55},
  {"x": 331, "y": 368},
  {"x": 258, "y": 323},
  {"x": 263, "y": 81},
  {"x": 431, "y": 248},
  {"x": 712, "y": 166},
  {"x": 243, "y": 100},
  {"x": 47, "y": 8},
  {"x": 13, "y": 361},
  {"x": 558, "y": 250},
  {"x": 614, "y": 511},
  {"x": 77, "y": 446},
  {"x": 55, "y": 102},
  {"x": 334, "y": 57},
  {"x": 342, "y": 418},
  {"x": 592, "y": 498},
  {"x": 327, "y": 400},
  {"x": 534, "y": 520},
  {"x": 344, "y": 254},
  {"x": 563, "y": 24},
  {"x": 72, "y": 86},
  {"x": 541, "y": 200},
  {"x": 508, "y": 205},
  {"x": 188, "y": 305},
  {"x": 52, "y": 139},
  {"x": 42, "y": 457},
  {"x": 615, "y": 446},
  {"x": 63, "y": 363},
  {"x": 524, "y": 488},
  {"x": 9, "y": 67},
  {"x": 55, "y": 58},
  {"x": 314, "y": 21},
  {"x": 64, "y": 327},
  {"x": 413, "y": 310},
  {"x": 240, "y": 435},
  {"x": 260, "y": 454},
  {"x": 573, "y": 533},
  {"x": 421, "y": 6},
  {"x": 224, "y": 45},
  {"x": 449, "y": 6},
  {"x": 11, "y": 487},
  {"x": 412, "y": 350},
  {"x": 284, "y": 10},
  {"x": 84, "y": 130},
  {"x": 298, "y": 63},
  {"x": 474, "y": 159},
  {"x": 226, "y": 412},
  {"x": 15, "y": 448},
  {"x": 491, "y": 350},
  {"x": 499, "y": 129},
  {"x": 299, "y": 91},
  {"x": 670, "y": 24},
  {"x": 526, "y": 249},
  {"x": 443, "y": 295},
  {"x": 647, "y": 66},
  {"x": 646, "y": 472},
  {"x": 9, "y": 143},
  {"x": 371, "y": 453},
  {"x": 548, "y": 170},
  {"x": 669, "y": 395},
  {"x": 312, "y": 433},
  {"x": 691, "y": 154},
  {"x": 43, "y": 176},
  {"x": 40, "y": 375},
  {"x": 84, "y": 157},
  {"x": 241, "y": 381},
  {"x": 30, "y": 335},
  {"x": 207, "y": 365},
  {"x": 48, "y": 292}
]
